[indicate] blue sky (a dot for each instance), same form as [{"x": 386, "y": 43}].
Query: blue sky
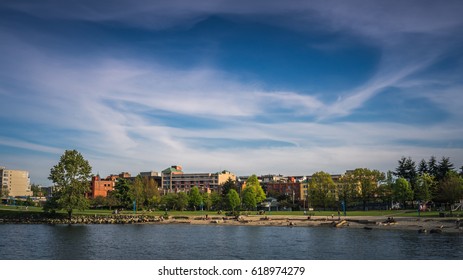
[{"x": 248, "y": 86}]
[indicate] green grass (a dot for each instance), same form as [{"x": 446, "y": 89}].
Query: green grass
[{"x": 17, "y": 210}]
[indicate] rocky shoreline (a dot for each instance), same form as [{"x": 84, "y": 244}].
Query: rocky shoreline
[{"x": 421, "y": 225}]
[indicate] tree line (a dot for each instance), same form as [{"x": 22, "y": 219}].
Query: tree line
[
  {"x": 430, "y": 181},
  {"x": 410, "y": 185},
  {"x": 144, "y": 194},
  {"x": 72, "y": 174}
]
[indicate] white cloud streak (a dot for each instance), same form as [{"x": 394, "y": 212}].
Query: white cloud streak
[{"x": 107, "y": 101}]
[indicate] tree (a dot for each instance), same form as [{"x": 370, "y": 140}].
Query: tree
[
  {"x": 111, "y": 200},
  {"x": 136, "y": 192},
  {"x": 196, "y": 200},
  {"x": 423, "y": 167},
  {"x": 407, "y": 170},
  {"x": 207, "y": 201},
  {"x": 432, "y": 167},
  {"x": 216, "y": 201},
  {"x": 424, "y": 185},
  {"x": 450, "y": 188},
  {"x": 323, "y": 189},
  {"x": 444, "y": 167},
  {"x": 226, "y": 187},
  {"x": 233, "y": 199},
  {"x": 253, "y": 182},
  {"x": 71, "y": 177},
  {"x": 367, "y": 183},
  {"x": 169, "y": 201},
  {"x": 249, "y": 198},
  {"x": 36, "y": 191},
  {"x": 230, "y": 184},
  {"x": 402, "y": 191},
  {"x": 384, "y": 191},
  {"x": 151, "y": 192},
  {"x": 98, "y": 201},
  {"x": 4, "y": 192},
  {"x": 121, "y": 192},
  {"x": 181, "y": 201},
  {"x": 347, "y": 189}
]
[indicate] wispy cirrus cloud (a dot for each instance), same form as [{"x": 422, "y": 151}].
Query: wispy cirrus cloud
[{"x": 128, "y": 108}]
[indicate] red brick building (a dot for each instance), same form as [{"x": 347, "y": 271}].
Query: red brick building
[
  {"x": 100, "y": 187},
  {"x": 290, "y": 188}
]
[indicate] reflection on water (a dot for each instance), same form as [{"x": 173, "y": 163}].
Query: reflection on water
[{"x": 220, "y": 242}]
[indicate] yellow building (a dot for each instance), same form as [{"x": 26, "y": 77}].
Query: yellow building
[
  {"x": 174, "y": 180},
  {"x": 15, "y": 182}
]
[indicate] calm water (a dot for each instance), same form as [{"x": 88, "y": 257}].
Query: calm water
[{"x": 220, "y": 242}]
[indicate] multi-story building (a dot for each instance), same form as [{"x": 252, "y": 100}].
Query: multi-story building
[
  {"x": 99, "y": 187},
  {"x": 152, "y": 175},
  {"x": 149, "y": 174},
  {"x": 174, "y": 180},
  {"x": 167, "y": 176},
  {"x": 15, "y": 182},
  {"x": 272, "y": 178},
  {"x": 289, "y": 188}
]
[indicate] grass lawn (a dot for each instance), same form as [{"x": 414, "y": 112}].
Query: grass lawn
[{"x": 16, "y": 210}]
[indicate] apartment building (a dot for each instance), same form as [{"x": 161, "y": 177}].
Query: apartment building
[
  {"x": 15, "y": 182},
  {"x": 174, "y": 180}
]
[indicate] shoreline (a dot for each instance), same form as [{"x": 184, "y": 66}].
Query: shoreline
[{"x": 420, "y": 225}]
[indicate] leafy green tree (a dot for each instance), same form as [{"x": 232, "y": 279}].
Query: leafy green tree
[
  {"x": 249, "y": 198},
  {"x": 233, "y": 199},
  {"x": 323, "y": 189},
  {"x": 367, "y": 183},
  {"x": 181, "y": 201},
  {"x": 424, "y": 186},
  {"x": 136, "y": 192},
  {"x": 71, "y": 177},
  {"x": 196, "y": 199},
  {"x": 286, "y": 201},
  {"x": 450, "y": 188},
  {"x": 253, "y": 182},
  {"x": 216, "y": 201},
  {"x": 36, "y": 191},
  {"x": 347, "y": 189},
  {"x": 98, "y": 201},
  {"x": 207, "y": 201},
  {"x": 168, "y": 201},
  {"x": 122, "y": 192},
  {"x": 384, "y": 192},
  {"x": 111, "y": 201},
  {"x": 230, "y": 184},
  {"x": 402, "y": 191},
  {"x": 29, "y": 202},
  {"x": 151, "y": 192}
]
